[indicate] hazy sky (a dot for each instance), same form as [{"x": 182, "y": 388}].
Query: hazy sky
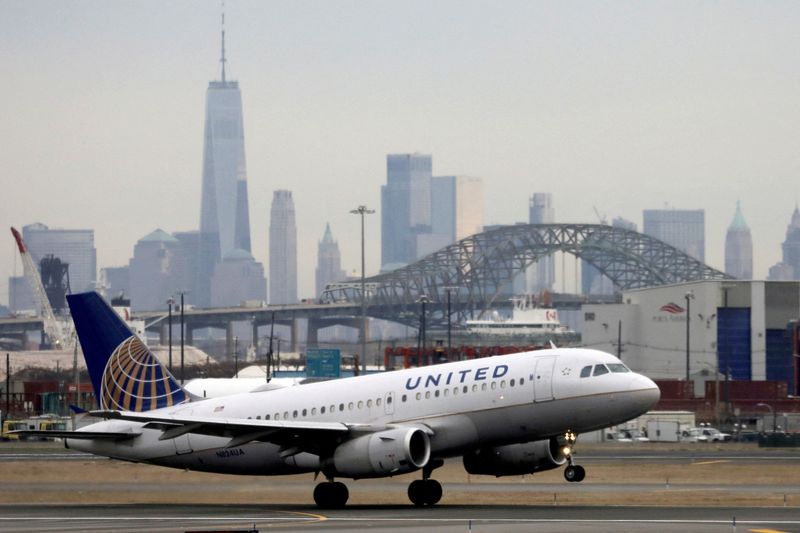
[{"x": 620, "y": 105}]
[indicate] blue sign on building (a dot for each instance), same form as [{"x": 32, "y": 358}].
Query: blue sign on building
[{"x": 323, "y": 363}]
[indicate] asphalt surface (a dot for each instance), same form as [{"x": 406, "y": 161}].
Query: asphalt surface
[{"x": 444, "y": 518}]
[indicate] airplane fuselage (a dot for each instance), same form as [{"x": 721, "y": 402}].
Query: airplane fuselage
[{"x": 462, "y": 406}]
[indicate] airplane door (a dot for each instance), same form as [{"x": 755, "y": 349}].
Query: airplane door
[
  {"x": 543, "y": 379},
  {"x": 388, "y": 403}
]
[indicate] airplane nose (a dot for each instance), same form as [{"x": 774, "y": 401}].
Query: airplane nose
[{"x": 647, "y": 391}]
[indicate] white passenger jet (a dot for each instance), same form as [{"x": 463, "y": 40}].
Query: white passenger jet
[{"x": 505, "y": 415}]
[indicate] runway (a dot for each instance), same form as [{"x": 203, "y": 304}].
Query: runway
[
  {"x": 638, "y": 488},
  {"x": 456, "y": 518}
]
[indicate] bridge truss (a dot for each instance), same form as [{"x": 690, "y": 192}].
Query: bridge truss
[{"x": 476, "y": 269}]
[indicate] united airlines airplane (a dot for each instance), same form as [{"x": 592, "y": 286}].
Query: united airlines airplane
[{"x": 505, "y": 415}]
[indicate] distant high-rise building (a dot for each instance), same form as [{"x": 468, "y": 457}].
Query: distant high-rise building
[
  {"x": 739, "y": 247},
  {"x": 542, "y": 274},
  {"x": 789, "y": 268},
  {"x": 238, "y": 278},
  {"x": 156, "y": 271},
  {"x": 224, "y": 213},
  {"x": 685, "y": 229},
  {"x": 73, "y": 246},
  {"x": 456, "y": 213},
  {"x": 282, "y": 250},
  {"x": 329, "y": 262},
  {"x": 405, "y": 207},
  {"x": 116, "y": 281}
]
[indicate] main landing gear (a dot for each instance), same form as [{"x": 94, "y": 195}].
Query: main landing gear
[
  {"x": 331, "y": 494},
  {"x": 572, "y": 473},
  {"x": 426, "y": 491}
]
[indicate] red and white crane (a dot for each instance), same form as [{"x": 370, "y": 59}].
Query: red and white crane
[{"x": 52, "y": 327}]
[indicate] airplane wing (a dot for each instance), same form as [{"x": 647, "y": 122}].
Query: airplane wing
[
  {"x": 85, "y": 435},
  {"x": 295, "y": 437}
]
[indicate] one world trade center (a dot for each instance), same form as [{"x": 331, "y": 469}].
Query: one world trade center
[{"x": 224, "y": 214}]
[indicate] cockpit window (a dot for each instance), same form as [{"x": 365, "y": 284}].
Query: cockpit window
[
  {"x": 618, "y": 368},
  {"x": 599, "y": 370},
  {"x": 586, "y": 371}
]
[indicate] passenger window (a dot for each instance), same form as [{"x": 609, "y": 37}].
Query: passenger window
[
  {"x": 465, "y": 390},
  {"x": 511, "y": 383},
  {"x": 258, "y": 417},
  {"x": 455, "y": 391},
  {"x": 483, "y": 386},
  {"x": 427, "y": 395},
  {"x": 277, "y": 416},
  {"x": 404, "y": 398},
  {"x": 586, "y": 371},
  {"x": 361, "y": 403},
  {"x": 285, "y": 415},
  {"x": 494, "y": 385},
  {"x": 475, "y": 387},
  {"x": 618, "y": 368},
  {"x": 521, "y": 381},
  {"x": 378, "y": 402},
  {"x": 599, "y": 370},
  {"x": 369, "y": 403},
  {"x": 266, "y": 417},
  {"x": 305, "y": 412},
  {"x": 341, "y": 407},
  {"x": 350, "y": 406},
  {"x": 436, "y": 393},
  {"x": 294, "y": 414},
  {"x": 447, "y": 392},
  {"x": 503, "y": 384},
  {"x": 322, "y": 410},
  {"x": 419, "y": 396},
  {"x": 388, "y": 399},
  {"x": 313, "y": 411}
]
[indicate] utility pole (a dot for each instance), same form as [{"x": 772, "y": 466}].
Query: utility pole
[
  {"x": 689, "y": 297},
  {"x": 170, "y": 303},
  {"x": 182, "y": 335},
  {"x": 363, "y": 210}
]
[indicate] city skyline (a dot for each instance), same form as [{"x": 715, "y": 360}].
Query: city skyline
[{"x": 602, "y": 105}]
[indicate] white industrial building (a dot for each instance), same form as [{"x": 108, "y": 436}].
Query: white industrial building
[{"x": 742, "y": 328}]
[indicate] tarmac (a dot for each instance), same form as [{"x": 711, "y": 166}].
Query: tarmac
[{"x": 628, "y": 488}]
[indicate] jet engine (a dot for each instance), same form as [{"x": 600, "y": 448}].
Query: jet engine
[
  {"x": 394, "y": 451},
  {"x": 515, "y": 459}
]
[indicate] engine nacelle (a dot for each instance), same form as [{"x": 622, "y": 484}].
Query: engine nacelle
[
  {"x": 394, "y": 451},
  {"x": 515, "y": 459}
]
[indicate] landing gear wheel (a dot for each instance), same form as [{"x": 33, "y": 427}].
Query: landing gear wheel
[
  {"x": 331, "y": 495},
  {"x": 574, "y": 473},
  {"x": 425, "y": 492}
]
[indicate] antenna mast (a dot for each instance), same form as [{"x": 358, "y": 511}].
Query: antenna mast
[{"x": 222, "y": 59}]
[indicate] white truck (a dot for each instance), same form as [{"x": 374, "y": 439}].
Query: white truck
[{"x": 663, "y": 430}]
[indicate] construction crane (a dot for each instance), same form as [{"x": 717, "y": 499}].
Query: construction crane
[{"x": 52, "y": 328}]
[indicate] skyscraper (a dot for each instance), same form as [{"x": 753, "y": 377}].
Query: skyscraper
[
  {"x": 456, "y": 212},
  {"x": 405, "y": 207},
  {"x": 224, "y": 214},
  {"x": 72, "y": 246},
  {"x": 739, "y": 247},
  {"x": 592, "y": 281},
  {"x": 156, "y": 271},
  {"x": 282, "y": 250},
  {"x": 789, "y": 268},
  {"x": 685, "y": 229},
  {"x": 329, "y": 261},
  {"x": 542, "y": 275}
]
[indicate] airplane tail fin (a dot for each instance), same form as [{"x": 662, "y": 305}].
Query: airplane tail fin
[{"x": 126, "y": 375}]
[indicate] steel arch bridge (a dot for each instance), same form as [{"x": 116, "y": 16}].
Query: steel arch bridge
[{"x": 476, "y": 269}]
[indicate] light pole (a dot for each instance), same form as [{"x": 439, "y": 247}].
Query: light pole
[
  {"x": 423, "y": 299},
  {"x": 773, "y": 413},
  {"x": 363, "y": 210},
  {"x": 689, "y": 297},
  {"x": 182, "y": 326},
  {"x": 170, "y": 303},
  {"x": 449, "y": 339}
]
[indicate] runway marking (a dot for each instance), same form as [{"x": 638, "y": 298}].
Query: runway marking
[
  {"x": 711, "y": 462},
  {"x": 768, "y": 531}
]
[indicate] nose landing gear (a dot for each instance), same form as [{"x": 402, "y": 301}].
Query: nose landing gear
[{"x": 572, "y": 473}]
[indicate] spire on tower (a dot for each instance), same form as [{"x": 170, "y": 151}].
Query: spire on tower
[{"x": 222, "y": 59}]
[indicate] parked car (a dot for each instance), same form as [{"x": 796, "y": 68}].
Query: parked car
[
  {"x": 627, "y": 435},
  {"x": 704, "y": 434}
]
